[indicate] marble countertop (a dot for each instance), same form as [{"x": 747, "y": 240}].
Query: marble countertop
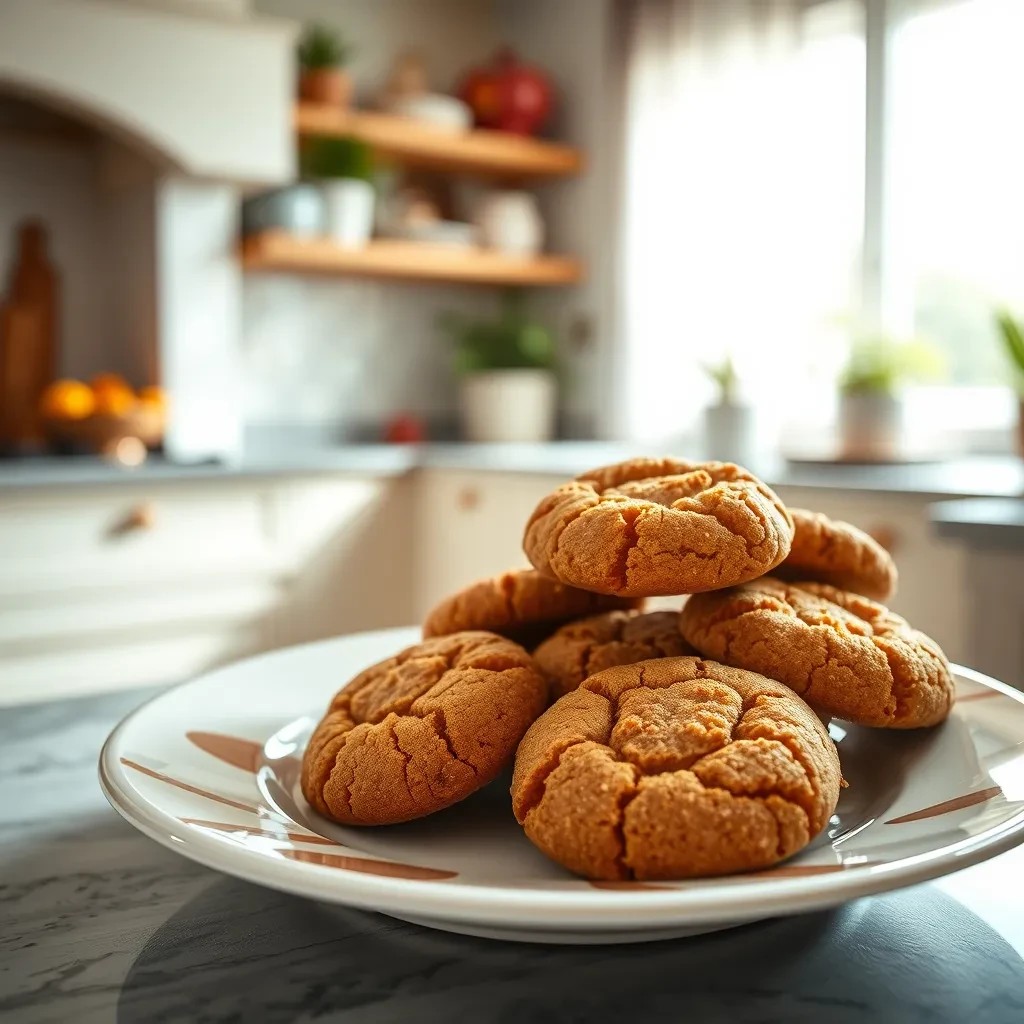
[
  {"x": 977, "y": 476},
  {"x": 101, "y": 924}
]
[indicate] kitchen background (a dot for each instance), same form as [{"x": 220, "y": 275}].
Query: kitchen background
[{"x": 303, "y": 305}]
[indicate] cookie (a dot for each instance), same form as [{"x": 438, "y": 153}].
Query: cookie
[
  {"x": 521, "y": 604},
  {"x": 422, "y": 730},
  {"x": 653, "y": 527},
  {"x": 844, "y": 654},
  {"x": 831, "y": 551},
  {"x": 582, "y": 648},
  {"x": 674, "y": 768}
]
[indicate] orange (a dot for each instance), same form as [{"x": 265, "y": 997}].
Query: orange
[
  {"x": 154, "y": 396},
  {"x": 67, "y": 400},
  {"x": 109, "y": 382},
  {"x": 114, "y": 401}
]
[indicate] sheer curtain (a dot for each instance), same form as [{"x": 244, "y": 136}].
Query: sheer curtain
[{"x": 743, "y": 200}]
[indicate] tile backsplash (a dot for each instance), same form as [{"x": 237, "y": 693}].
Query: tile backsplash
[{"x": 348, "y": 352}]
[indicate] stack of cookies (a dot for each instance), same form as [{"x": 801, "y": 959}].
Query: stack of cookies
[{"x": 646, "y": 744}]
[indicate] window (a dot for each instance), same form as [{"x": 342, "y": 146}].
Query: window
[
  {"x": 752, "y": 229},
  {"x": 956, "y": 232}
]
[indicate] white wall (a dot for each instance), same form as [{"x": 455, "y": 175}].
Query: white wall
[
  {"x": 450, "y": 34},
  {"x": 321, "y": 351},
  {"x": 571, "y": 39}
]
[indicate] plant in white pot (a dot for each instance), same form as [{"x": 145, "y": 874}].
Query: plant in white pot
[
  {"x": 323, "y": 55},
  {"x": 870, "y": 407},
  {"x": 344, "y": 168},
  {"x": 507, "y": 383},
  {"x": 1013, "y": 337},
  {"x": 729, "y": 434}
]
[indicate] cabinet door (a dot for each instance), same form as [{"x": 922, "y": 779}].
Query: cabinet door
[
  {"x": 932, "y": 585},
  {"x": 348, "y": 544},
  {"x": 470, "y": 525}
]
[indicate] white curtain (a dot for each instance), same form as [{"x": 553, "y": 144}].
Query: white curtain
[{"x": 742, "y": 187}]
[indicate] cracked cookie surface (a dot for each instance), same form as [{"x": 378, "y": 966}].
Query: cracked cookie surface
[
  {"x": 582, "y": 648},
  {"x": 830, "y": 551},
  {"x": 520, "y": 604},
  {"x": 674, "y": 768},
  {"x": 652, "y": 527},
  {"x": 422, "y": 730},
  {"x": 844, "y": 654}
]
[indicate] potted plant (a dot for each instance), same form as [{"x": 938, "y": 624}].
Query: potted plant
[
  {"x": 729, "y": 424},
  {"x": 322, "y": 75},
  {"x": 870, "y": 410},
  {"x": 344, "y": 167},
  {"x": 1013, "y": 337},
  {"x": 507, "y": 383}
]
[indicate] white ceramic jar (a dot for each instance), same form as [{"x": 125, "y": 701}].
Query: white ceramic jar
[
  {"x": 510, "y": 222},
  {"x": 348, "y": 204}
]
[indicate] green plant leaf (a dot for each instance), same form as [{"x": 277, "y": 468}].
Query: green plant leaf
[
  {"x": 1013, "y": 339},
  {"x": 323, "y": 157},
  {"x": 321, "y": 47}
]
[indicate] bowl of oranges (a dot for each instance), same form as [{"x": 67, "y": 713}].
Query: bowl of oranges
[{"x": 100, "y": 415}]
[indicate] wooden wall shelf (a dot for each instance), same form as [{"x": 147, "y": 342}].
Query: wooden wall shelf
[
  {"x": 478, "y": 152},
  {"x": 276, "y": 251}
]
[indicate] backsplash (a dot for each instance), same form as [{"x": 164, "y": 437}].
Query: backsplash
[{"x": 348, "y": 352}]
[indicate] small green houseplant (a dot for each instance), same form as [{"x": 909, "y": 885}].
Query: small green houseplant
[
  {"x": 1013, "y": 338},
  {"x": 343, "y": 167},
  {"x": 870, "y": 409},
  {"x": 507, "y": 375},
  {"x": 322, "y": 55}
]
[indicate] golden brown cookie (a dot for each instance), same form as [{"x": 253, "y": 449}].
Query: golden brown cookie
[
  {"x": 674, "y": 768},
  {"x": 520, "y": 604},
  {"x": 659, "y": 526},
  {"x": 843, "y": 653},
  {"x": 582, "y": 648},
  {"x": 422, "y": 730},
  {"x": 831, "y": 551}
]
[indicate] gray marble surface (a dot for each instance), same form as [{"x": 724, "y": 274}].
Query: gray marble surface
[
  {"x": 98, "y": 923},
  {"x": 988, "y": 476}
]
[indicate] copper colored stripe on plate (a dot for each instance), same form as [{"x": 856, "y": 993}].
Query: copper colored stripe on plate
[
  {"x": 253, "y": 830},
  {"x": 388, "y": 869},
  {"x": 231, "y": 750},
  {"x": 227, "y": 801},
  {"x": 978, "y": 695},
  {"x": 958, "y": 802}
]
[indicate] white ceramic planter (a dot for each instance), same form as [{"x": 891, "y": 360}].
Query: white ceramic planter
[
  {"x": 348, "y": 206},
  {"x": 508, "y": 405},
  {"x": 730, "y": 433},
  {"x": 870, "y": 426}
]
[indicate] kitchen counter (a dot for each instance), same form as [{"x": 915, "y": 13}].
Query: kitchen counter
[
  {"x": 102, "y": 924},
  {"x": 981, "y": 522},
  {"x": 979, "y": 476}
]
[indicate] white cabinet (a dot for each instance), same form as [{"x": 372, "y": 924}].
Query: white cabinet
[
  {"x": 140, "y": 583},
  {"x": 470, "y": 525},
  {"x": 133, "y": 584}
]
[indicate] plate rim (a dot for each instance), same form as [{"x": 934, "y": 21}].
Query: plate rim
[{"x": 584, "y": 906}]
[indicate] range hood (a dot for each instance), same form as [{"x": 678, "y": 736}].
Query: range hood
[{"x": 202, "y": 88}]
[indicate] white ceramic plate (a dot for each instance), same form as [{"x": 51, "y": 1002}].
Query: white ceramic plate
[{"x": 210, "y": 769}]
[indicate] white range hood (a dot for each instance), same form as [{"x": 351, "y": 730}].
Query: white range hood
[{"x": 202, "y": 88}]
